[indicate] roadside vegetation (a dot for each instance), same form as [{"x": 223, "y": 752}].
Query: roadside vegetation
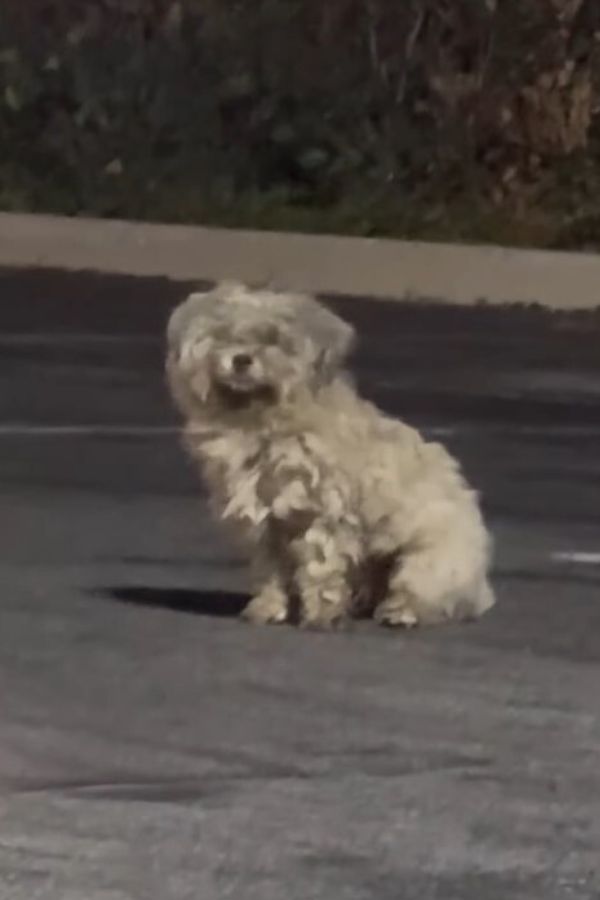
[{"x": 467, "y": 120}]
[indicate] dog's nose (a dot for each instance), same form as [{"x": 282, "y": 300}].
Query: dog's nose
[{"x": 241, "y": 362}]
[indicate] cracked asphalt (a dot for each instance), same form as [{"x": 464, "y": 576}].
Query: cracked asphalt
[{"x": 153, "y": 747}]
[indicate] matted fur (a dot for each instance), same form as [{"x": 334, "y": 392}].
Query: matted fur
[{"x": 344, "y": 510}]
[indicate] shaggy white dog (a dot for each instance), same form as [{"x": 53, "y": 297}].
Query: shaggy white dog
[{"x": 346, "y": 511}]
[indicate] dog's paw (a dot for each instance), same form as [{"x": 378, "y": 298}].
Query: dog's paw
[
  {"x": 267, "y": 608},
  {"x": 394, "y": 614}
]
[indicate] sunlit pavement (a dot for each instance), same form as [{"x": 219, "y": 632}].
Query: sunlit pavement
[{"x": 153, "y": 746}]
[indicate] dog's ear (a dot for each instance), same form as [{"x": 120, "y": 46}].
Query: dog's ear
[
  {"x": 334, "y": 339},
  {"x": 194, "y": 305}
]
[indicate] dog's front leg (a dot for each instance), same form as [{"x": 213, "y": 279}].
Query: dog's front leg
[
  {"x": 324, "y": 557},
  {"x": 310, "y": 530},
  {"x": 270, "y": 603}
]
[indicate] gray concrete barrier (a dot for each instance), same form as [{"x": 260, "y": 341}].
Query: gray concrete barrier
[{"x": 383, "y": 269}]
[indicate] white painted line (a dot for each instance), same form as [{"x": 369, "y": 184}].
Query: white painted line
[
  {"x": 11, "y": 429},
  {"x": 552, "y": 430},
  {"x": 24, "y": 430},
  {"x": 32, "y": 338},
  {"x": 441, "y": 432},
  {"x": 84, "y": 430},
  {"x": 544, "y": 431},
  {"x": 575, "y": 556}
]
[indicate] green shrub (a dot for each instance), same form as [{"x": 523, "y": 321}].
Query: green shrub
[{"x": 451, "y": 119}]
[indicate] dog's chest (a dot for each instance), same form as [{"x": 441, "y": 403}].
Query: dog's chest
[{"x": 232, "y": 467}]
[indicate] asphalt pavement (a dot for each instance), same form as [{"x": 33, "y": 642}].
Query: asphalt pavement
[{"x": 154, "y": 747}]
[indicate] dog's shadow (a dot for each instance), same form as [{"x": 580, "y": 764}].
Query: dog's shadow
[{"x": 216, "y": 604}]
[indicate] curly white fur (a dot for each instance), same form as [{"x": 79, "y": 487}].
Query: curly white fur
[{"x": 345, "y": 510}]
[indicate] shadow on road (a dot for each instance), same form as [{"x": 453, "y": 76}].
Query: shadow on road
[{"x": 220, "y": 604}]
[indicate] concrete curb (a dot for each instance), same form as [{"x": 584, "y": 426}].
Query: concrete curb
[{"x": 383, "y": 269}]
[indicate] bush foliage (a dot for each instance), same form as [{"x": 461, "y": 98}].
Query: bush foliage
[{"x": 452, "y": 119}]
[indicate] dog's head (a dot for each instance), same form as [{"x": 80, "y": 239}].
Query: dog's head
[{"x": 233, "y": 346}]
